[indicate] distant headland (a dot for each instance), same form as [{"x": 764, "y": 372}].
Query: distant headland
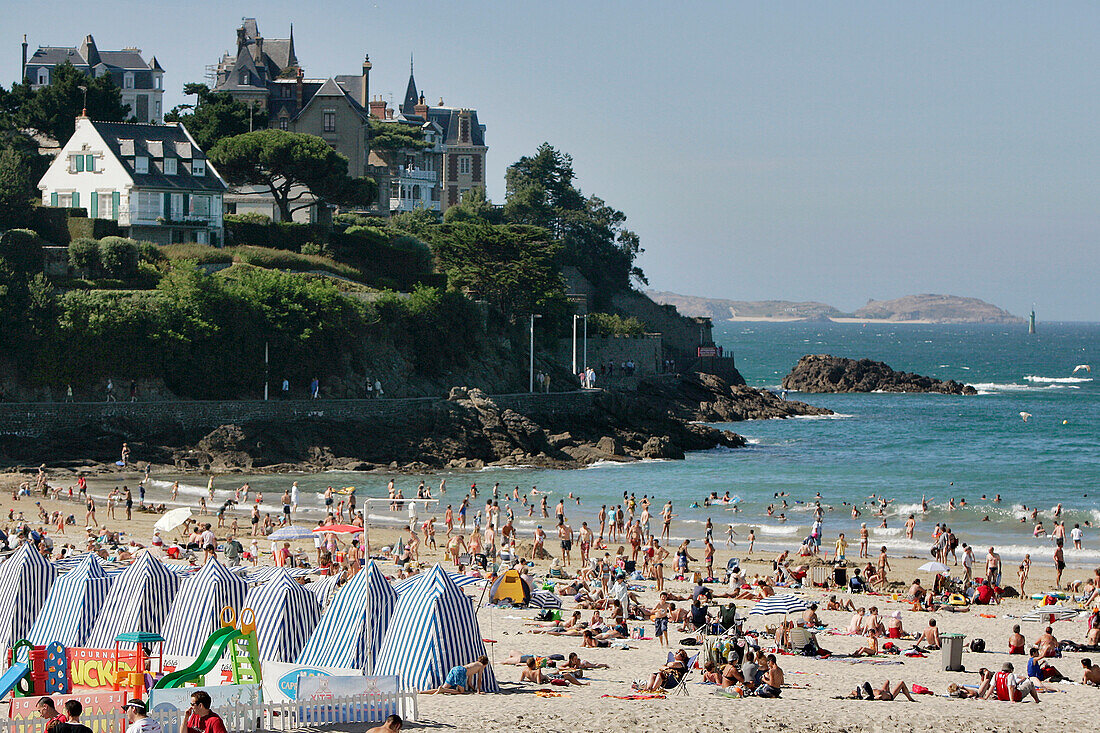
[{"x": 908, "y": 309}]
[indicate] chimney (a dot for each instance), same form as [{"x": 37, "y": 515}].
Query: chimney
[
  {"x": 23, "y": 68},
  {"x": 389, "y": 113},
  {"x": 421, "y": 109},
  {"x": 364, "y": 92},
  {"x": 378, "y": 108},
  {"x": 298, "y": 87}
]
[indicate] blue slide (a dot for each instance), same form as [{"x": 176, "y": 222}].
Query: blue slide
[{"x": 11, "y": 678}]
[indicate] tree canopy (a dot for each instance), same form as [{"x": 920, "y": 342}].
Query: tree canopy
[
  {"x": 53, "y": 109},
  {"x": 541, "y": 192},
  {"x": 474, "y": 208},
  {"x": 390, "y": 137},
  {"x": 290, "y": 166},
  {"x": 215, "y": 115}
]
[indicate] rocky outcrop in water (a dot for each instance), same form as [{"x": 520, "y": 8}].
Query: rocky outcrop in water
[{"x": 826, "y": 373}]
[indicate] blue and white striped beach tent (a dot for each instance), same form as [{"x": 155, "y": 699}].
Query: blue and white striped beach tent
[
  {"x": 434, "y": 628},
  {"x": 74, "y": 603},
  {"x": 286, "y": 614},
  {"x": 354, "y": 624},
  {"x": 323, "y": 589},
  {"x": 196, "y": 611},
  {"x": 139, "y": 600},
  {"x": 25, "y": 580}
]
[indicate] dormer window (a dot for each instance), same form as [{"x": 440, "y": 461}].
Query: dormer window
[
  {"x": 246, "y": 78},
  {"x": 169, "y": 166},
  {"x": 141, "y": 164},
  {"x": 43, "y": 76},
  {"x": 128, "y": 80},
  {"x": 198, "y": 167}
]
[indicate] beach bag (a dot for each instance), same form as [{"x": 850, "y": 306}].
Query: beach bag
[
  {"x": 545, "y": 615},
  {"x": 977, "y": 646},
  {"x": 690, "y": 641}
]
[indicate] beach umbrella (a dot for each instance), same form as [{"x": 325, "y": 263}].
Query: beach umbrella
[
  {"x": 354, "y": 624},
  {"x": 197, "y": 609},
  {"x": 786, "y": 603},
  {"x": 139, "y": 600},
  {"x": 25, "y": 581},
  {"x": 338, "y": 529},
  {"x": 286, "y": 615},
  {"x": 172, "y": 519},
  {"x": 73, "y": 604},
  {"x": 291, "y": 532},
  {"x": 433, "y": 629},
  {"x": 1047, "y": 614},
  {"x": 934, "y": 567},
  {"x": 545, "y": 599}
]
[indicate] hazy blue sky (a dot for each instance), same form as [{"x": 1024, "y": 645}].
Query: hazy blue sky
[{"x": 825, "y": 151}]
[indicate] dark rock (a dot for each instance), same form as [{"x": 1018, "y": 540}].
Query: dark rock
[{"x": 825, "y": 373}]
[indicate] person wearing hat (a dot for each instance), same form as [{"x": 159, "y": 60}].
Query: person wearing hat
[{"x": 137, "y": 718}]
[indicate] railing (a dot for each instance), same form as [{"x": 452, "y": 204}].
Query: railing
[
  {"x": 276, "y": 716},
  {"x": 418, "y": 174}
]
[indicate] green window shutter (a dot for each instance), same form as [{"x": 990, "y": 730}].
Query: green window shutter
[
  {"x": 116, "y": 199},
  {"x": 76, "y": 199},
  {"x": 53, "y": 199},
  {"x": 95, "y": 205},
  {"x": 167, "y": 205},
  {"x": 89, "y": 163},
  {"x": 80, "y": 164},
  {"x": 186, "y": 204}
]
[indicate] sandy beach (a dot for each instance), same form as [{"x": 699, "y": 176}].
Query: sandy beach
[{"x": 808, "y": 702}]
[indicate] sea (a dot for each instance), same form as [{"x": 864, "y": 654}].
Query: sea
[{"x": 957, "y": 453}]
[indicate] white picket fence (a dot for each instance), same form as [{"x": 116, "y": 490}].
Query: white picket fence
[{"x": 277, "y": 716}]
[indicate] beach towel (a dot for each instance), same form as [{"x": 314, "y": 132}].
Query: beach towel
[{"x": 651, "y": 696}]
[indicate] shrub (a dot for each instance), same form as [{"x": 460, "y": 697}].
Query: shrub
[
  {"x": 612, "y": 324},
  {"x": 150, "y": 252},
  {"x": 250, "y": 217},
  {"x": 118, "y": 256},
  {"x": 312, "y": 248},
  {"x": 84, "y": 254},
  {"x": 80, "y": 226},
  {"x": 278, "y": 259},
  {"x": 22, "y": 248},
  {"x": 202, "y": 254}
]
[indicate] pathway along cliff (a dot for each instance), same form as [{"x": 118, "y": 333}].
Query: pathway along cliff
[
  {"x": 826, "y": 373},
  {"x": 660, "y": 419}
]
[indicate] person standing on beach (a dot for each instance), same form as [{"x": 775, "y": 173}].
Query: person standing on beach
[
  {"x": 840, "y": 548},
  {"x": 863, "y": 541},
  {"x": 666, "y": 517},
  {"x": 565, "y": 534},
  {"x": 1059, "y": 564},
  {"x": 1076, "y": 535},
  {"x": 910, "y": 525},
  {"x": 129, "y": 499},
  {"x": 294, "y": 496},
  {"x": 993, "y": 568}
]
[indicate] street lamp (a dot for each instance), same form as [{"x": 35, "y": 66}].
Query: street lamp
[{"x": 531, "y": 380}]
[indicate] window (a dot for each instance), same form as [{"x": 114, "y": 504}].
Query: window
[
  {"x": 65, "y": 200},
  {"x": 89, "y": 163},
  {"x": 156, "y": 107},
  {"x": 330, "y": 120},
  {"x": 200, "y": 206},
  {"x": 43, "y": 76},
  {"x": 128, "y": 80},
  {"x": 160, "y": 82},
  {"x": 283, "y": 123},
  {"x": 416, "y": 192},
  {"x": 169, "y": 166},
  {"x": 76, "y": 163},
  {"x": 141, "y": 164},
  {"x": 177, "y": 206},
  {"x": 287, "y": 91},
  {"x": 395, "y": 190},
  {"x": 148, "y": 205},
  {"x": 464, "y": 165},
  {"x": 246, "y": 79},
  {"x": 435, "y": 193},
  {"x": 198, "y": 167}
]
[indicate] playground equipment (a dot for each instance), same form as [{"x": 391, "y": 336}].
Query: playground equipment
[
  {"x": 136, "y": 660},
  {"x": 44, "y": 670},
  {"x": 240, "y": 643}
]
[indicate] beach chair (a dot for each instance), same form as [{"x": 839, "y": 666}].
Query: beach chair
[
  {"x": 798, "y": 638},
  {"x": 728, "y": 622},
  {"x": 820, "y": 575},
  {"x": 681, "y": 684}
]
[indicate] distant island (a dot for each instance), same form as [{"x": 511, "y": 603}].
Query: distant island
[{"x": 926, "y": 308}]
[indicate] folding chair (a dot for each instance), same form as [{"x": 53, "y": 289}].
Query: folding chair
[
  {"x": 798, "y": 638},
  {"x": 681, "y": 684}
]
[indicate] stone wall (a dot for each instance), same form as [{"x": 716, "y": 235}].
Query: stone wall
[
  {"x": 644, "y": 351},
  {"x": 31, "y": 420}
]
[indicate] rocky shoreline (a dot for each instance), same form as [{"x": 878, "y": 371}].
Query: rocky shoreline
[
  {"x": 822, "y": 373},
  {"x": 662, "y": 419}
]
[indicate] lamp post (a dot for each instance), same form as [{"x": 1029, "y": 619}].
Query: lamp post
[
  {"x": 531, "y": 376},
  {"x": 84, "y": 111},
  {"x": 266, "y": 370}
]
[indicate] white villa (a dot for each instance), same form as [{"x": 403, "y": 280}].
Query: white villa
[{"x": 152, "y": 179}]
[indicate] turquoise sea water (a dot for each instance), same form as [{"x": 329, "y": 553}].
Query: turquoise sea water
[{"x": 901, "y": 446}]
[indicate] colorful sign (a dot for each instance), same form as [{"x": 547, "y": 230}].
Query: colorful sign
[
  {"x": 95, "y": 668},
  {"x": 280, "y": 679},
  {"x": 222, "y": 697},
  {"x": 704, "y": 351},
  {"x": 94, "y": 702}
]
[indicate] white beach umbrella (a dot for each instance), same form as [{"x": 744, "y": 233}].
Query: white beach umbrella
[
  {"x": 292, "y": 532},
  {"x": 172, "y": 519},
  {"x": 786, "y": 603},
  {"x": 935, "y": 567},
  {"x": 1046, "y": 614}
]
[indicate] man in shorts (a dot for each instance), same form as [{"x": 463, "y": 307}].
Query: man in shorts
[
  {"x": 463, "y": 679},
  {"x": 565, "y": 533}
]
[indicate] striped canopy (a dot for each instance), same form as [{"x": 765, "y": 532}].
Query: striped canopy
[
  {"x": 545, "y": 599},
  {"x": 458, "y": 579},
  {"x": 73, "y": 604},
  {"x": 196, "y": 612},
  {"x": 434, "y": 628},
  {"x": 322, "y": 589},
  {"x": 786, "y": 603},
  {"x": 286, "y": 614},
  {"x": 25, "y": 580},
  {"x": 139, "y": 600},
  {"x": 355, "y": 623},
  {"x": 255, "y": 576}
]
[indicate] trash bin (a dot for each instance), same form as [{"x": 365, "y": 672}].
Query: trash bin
[
  {"x": 952, "y": 647},
  {"x": 840, "y": 576}
]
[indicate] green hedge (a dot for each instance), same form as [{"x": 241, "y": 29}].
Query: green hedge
[
  {"x": 246, "y": 230},
  {"x": 51, "y": 223},
  {"x": 85, "y": 228}
]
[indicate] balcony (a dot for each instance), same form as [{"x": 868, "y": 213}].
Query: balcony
[{"x": 417, "y": 174}]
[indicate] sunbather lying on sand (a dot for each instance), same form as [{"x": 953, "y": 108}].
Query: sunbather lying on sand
[
  {"x": 531, "y": 672},
  {"x": 866, "y": 692}
]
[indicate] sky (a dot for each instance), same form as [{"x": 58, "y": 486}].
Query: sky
[{"x": 828, "y": 151}]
